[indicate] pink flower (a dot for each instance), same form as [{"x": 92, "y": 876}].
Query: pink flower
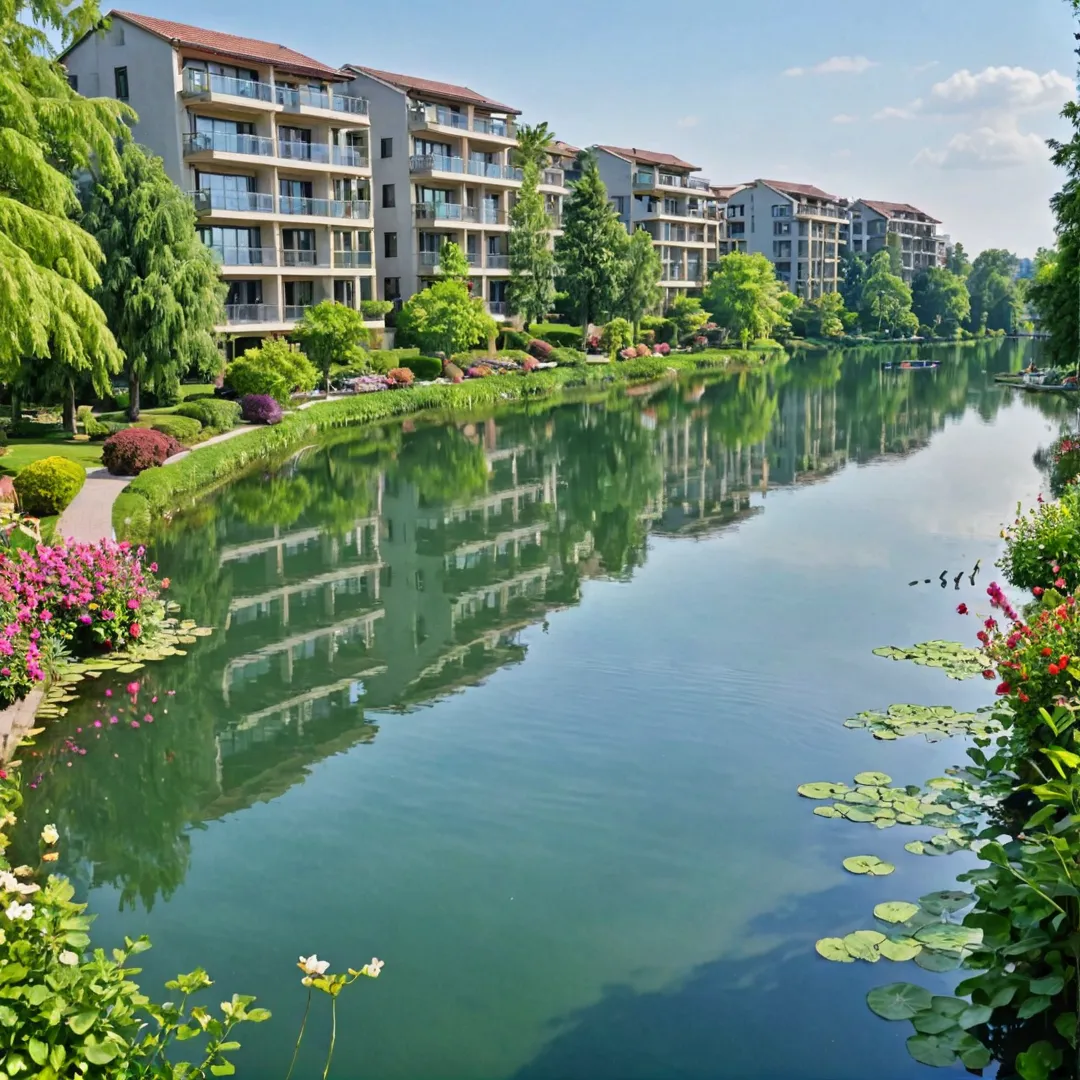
[
  {"x": 133, "y": 688},
  {"x": 114, "y": 719},
  {"x": 134, "y": 723},
  {"x": 97, "y": 723},
  {"x": 108, "y": 693}
]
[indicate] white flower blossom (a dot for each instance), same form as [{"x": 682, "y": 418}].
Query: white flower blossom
[
  {"x": 312, "y": 965},
  {"x": 373, "y": 967},
  {"x": 8, "y": 881},
  {"x": 49, "y": 834},
  {"x": 16, "y": 910},
  {"x": 69, "y": 958}
]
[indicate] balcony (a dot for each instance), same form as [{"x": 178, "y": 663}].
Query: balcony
[
  {"x": 295, "y": 312},
  {"x": 230, "y": 255},
  {"x": 445, "y": 212},
  {"x": 421, "y": 116},
  {"x": 352, "y": 260},
  {"x": 489, "y": 216},
  {"x": 237, "y": 202},
  {"x": 302, "y": 257},
  {"x": 301, "y": 150},
  {"x": 498, "y": 262},
  {"x": 436, "y": 163},
  {"x": 493, "y": 171},
  {"x": 644, "y": 178},
  {"x": 302, "y": 207},
  {"x": 293, "y": 99},
  {"x": 429, "y": 258},
  {"x": 350, "y": 208},
  {"x": 355, "y": 157},
  {"x": 810, "y": 210},
  {"x": 203, "y": 84},
  {"x": 227, "y": 142},
  {"x": 251, "y": 313},
  {"x": 496, "y": 307},
  {"x": 553, "y": 178}
]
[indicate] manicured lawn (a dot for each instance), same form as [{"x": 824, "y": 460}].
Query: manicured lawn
[{"x": 21, "y": 452}]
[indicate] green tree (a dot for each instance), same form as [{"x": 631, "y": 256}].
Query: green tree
[
  {"x": 958, "y": 261},
  {"x": 48, "y": 264},
  {"x": 160, "y": 287},
  {"x": 940, "y": 299},
  {"x": 533, "y": 145},
  {"x": 331, "y": 333},
  {"x": 886, "y": 299},
  {"x": 688, "y": 314},
  {"x": 531, "y": 289},
  {"x": 745, "y": 297},
  {"x": 995, "y": 298},
  {"x": 822, "y": 317},
  {"x": 853, "y": 280},
  {"x": 895, "y": 249},
  {"x": 452, "y": 261},
  {"x": 591, "y": 251},
  {"x": 640, "y": 294}
]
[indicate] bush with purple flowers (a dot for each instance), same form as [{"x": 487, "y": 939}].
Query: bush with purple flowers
[{"x": 260, "y": 409}]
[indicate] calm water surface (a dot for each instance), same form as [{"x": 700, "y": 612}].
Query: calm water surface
[{"x": 519, "y": 705}]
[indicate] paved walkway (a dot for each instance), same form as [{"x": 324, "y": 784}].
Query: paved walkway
[{"x": 89, "y": 517}]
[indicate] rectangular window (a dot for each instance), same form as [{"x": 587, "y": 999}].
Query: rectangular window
[
  {"x": 121, "y": 81},
  {"x": 781, "y": 211},
  {"x": 344, "y": 292},
  {"x": 781, "y": 228},
  {"x": 390, "y": 245},
  {"x": 388, "y": 200},
  {"x": 736, "y": 211},
  {"x": 73, "y": 82},
  {"x": 386, "y": 148},
  {"x": 391, "y": 288}
]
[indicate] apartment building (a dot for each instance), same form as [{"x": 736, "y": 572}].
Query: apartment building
[
  {"x": 921, "y": 246},
  {"x": 565, "y": 156},
  {"x": 444, "y": 173},
  {"x": 661, "y": 194},
  {"x": 722, "y": 193},
  {"x": 274, "y": 152},
  {"x": 796, "y": 226}
]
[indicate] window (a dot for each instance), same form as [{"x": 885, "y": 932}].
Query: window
[
  {"x": 419, "y": 580},
  {"x": 783, "y": 210},
  {"x": 857, "y": 228},
  {"x": 73, "y": 82},
  {"x": 244, "y": 292},
  {"x": 736, "y": 211},
  {"x": 781, "y": 228},
  {"x": 386, "y": 148},
  {"x": 388, "y": 200},
  {"x": 737, "y": 228},
  {"x": 390, "y": 245},
  {"x": 391, "y": 288},
  {"x": 344, "y": 292},
  {"x": 121, "y": 80}
]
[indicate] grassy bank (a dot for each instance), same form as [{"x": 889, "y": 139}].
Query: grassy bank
[{"x": 161, "y": 491}]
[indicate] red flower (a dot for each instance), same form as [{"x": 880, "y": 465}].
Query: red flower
[
  {"x": 3, "y": 775},
  {"x": 1057, "y": 569},
  {"x": 988, "y": 674},
  {"x": 1037, "y": 590},
  {"x": 135, "y": 630},
  {"x": 1054, "y": 669},
  {"x": 962, "y": 609},
  {"x": 1022, "y": 696},
  {"x": 1003, "y": 688},
  {"x": 1063, "y": 663},
  {"x": 1060, "y": 583},
  {"x": 1046, "y": 651}
]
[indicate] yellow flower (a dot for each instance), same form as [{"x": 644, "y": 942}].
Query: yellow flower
[{"x": 49, "y": 834}]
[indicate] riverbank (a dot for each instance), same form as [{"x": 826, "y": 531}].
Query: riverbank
[{"x": 160, "y": 492}]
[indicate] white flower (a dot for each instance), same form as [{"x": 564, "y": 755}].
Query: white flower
[
  {"x": 312, "y": 965},
  {"x": 16, "y": 910},
  {"x": 8, "y": 881},
  {"x": 373, "y": 967},
  {"x": 23, "y": 871},
  {"x": 49, "y": 834},
  {"x": 25, "y": 890},
  {"x": 69, "y": 958}
]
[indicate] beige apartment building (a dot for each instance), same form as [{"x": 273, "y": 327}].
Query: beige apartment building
[
  {"x": 444, "y": 173},
  {"x": 660, "y": 193},
  {"x": 274, "y": 151},
  {"x": 797, "y": 226},
  {"x": 921, "y": 245}
]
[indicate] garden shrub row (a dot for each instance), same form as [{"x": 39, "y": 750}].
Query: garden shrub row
[
  {"x": 215, "y": 414},
  {"x": 567, "y": 337}
]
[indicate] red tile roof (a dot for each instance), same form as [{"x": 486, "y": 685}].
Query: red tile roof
[
  {"x": 565, "y": 149},
  {"x": 725, "y": 191},
  {"x": 891, "y": 209},
  {"x": 806, "y": 190},
  {"x": 238, "y": 48},
  {"x": 411, "y": 84},
  {"x": 649, "y": 157}
]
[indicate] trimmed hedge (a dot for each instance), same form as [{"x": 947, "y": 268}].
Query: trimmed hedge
[
  {"x": 385, "y": 360},
  {"x": 96, "y": 429},
  {"x": 129, "y": 452},
  {"x": 565, "y": 337},
  {"x": 215, "y": 413},
  {"x": 568, "y": 357},
  {"x": 185, "y": 429},
  {"x": 376, "y": 309},
  {"x": 424, "y": 367},
  {"x": 48, "y": 485},
  {"x": 513, "y": 339}
]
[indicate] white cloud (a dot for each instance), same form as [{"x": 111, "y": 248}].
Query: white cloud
[
  {"x": 687, "y": 121},
  {"x": 893, "y": 112},
  {"x": 835, "y": 65},
  {"x": 986, "y": 148},
  {"x": 999, "y": 88},
  {"x": 845, "y": 118}
]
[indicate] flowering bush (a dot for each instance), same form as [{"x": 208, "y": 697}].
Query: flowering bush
[
  {"x": 628, "y": 353},
  {"x": 643, "y": 350},
  {"x": 48, "y": 485},
  {"x": 400, "y": 376},
  {"x": 531, "y": 364},
  {"x": 1044, "y": 544},
  {"x": 260, "y": 409},
  {"x": 1065, "y": 463},
  {"x": 479, "y": 371},
  {"x": 663, "y": 349},
  {"x": 130, "y": 451},
  {"x": 367, "y": 384},
  {"x": 593, "y": 343},
  {"x": 540, "y": 349}
]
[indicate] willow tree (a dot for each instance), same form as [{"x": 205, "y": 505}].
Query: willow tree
[
  {"x": 160, "y": 286},
  {"x": 48, "y": 265}
]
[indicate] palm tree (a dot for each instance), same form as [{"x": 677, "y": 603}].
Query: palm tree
[{"x": 534, "y": 144}]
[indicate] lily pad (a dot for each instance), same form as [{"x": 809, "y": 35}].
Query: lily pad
[
  {"x": 833, "y": 948},
  {"x": 915, "y": 847},
  {"x": 949, "y": 937},
  {"x": 898, "y": 1001},
  {"x": 899, "y": 951},
  {"x": 827, "y": 811},
  {"x": 955, "y": 659},
  {"x": 931, "y": 1050},
  {"x": 868, "y": 864},
  {"x": 876, "y": 779},
  {"x": 863, "y": 945},
  {"x": 946, "y": 902},
  {"x": 822, "y": 790},
  {"x": 895, "y": 911},
  {"x": 858, "y": 813},
  {"x": 932, "y": 960}
]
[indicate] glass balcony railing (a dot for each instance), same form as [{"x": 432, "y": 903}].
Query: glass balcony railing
[
  {"x": 437, "y": 114},
  {"x": 241, "y": 202},
  {"x": 498, "y": 262},
  {"x": 554, "y": 178},
  {"x": 436, "y": 163},
  {"x": 472, "y": 258},
  {"x": 297, "y": 97},
  {"x": 487, "y": 125},
  {"x": 251, "y": 313},
  {"x": 232, "y": 255},
  {"x": 198, "y": 83},
  {"x": 227, "y": 142},
  {"x": 295, "y": 312},
  {"x": 445, "y": 211},
  {"x": 429, "y": 258},
  {"x": 354, "y": 156},
  {"x": 350, "y": 208},
  {"x": 300, "y": 150},
  {"x": 299, "y": 257},
  {"x": 496, "y": 307},
  {"x": 493, "y": 171},
  {"x": 352, "y": 260},
  {"x": 489, "y": 216},
  {"x": 304, "y": 207}
]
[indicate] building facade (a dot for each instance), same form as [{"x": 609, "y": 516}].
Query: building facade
[
  {"x": 274, "y": 151},
  {"x": 660, "y": 194},
  {"x": 921, "y": 246},
  {"x": 444, "y": 173},
  {"x": 797, "y": 227}
]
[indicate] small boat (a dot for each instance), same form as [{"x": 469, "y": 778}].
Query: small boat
[{"x": 911, "y": 365}]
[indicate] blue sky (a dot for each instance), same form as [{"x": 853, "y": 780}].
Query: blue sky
[{"x": 941, "y": 103}]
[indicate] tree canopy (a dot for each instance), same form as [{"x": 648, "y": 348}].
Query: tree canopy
[
  {"x": 940, "y": 300},
  {"x": 746, "y": 297},
  {"x": 640, "y": 293},
  {"x": 331, "y": 333},
  {"x": 531, "y": 289},
  {"x": 995, "y": 298},
  {"x": 886, "y": 298},
  {"x": 533, "y": 145}
]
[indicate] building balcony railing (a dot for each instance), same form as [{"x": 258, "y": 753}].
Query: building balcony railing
[
  {"x": 295, "y": 98},
  {"x": 490, "y": 125},
  {"x": 301, "y": 257},
  {"x": 445, "y": 212},
  {"x": 240, "y": 202},
  {"x": 232, "y": 255},
  {"x": 436, "y": 163},
  {"x": 810, "y": 210},
  {"x": 199, "y": 83},
  {"x": 553, "y": 178},
  {"x": 350, "y": 208},
  {"x": 644, "y": 178},
  {"x": 352, "y": 260},
  {"x": 555, "y": 218},
  {"x": 251, "y": 313},
  {"x": 422, "y": 115},
  {"x": 304, "y": 207},
  {"x": 355, "y": 157},
  {"x": 488, "y": 216},
  {"x": 227, "y": 142},
  {"x": 300, "y": 150},
  {"x": 496, "y": 307},
  {"x": 498, "y": 262},
  {"x": 295, "y": 312},
  {"x": 429, "y": 258},
  {"x": 493, "y": 171}
]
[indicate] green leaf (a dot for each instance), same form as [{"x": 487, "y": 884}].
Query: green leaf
[
  {"x": 226, "y": 1068},
  {"x": 932, "y": 960},
  {"x": 898, "y": 1001},
  {"x": 949, "y": 936},
  {"x": 868, "y": 864},
  {"x": 1038, "y": 1062},
  {"x": 82, "y": 1022},
  {"x": 974, "y": 1015},
  {"x": 38, "y": 1051},
  {"x": 863, "y": 945},
  {"x": 1049, "y": 985},
  {"x": 875, "y": 779},
  {"x": 996, "y": 928},
  {"x": 822, "y": 790},
  {"x": 915, "y": 847},
  {"x": 1032, "y": 1006},
  {"x": 833, "y": 948},
  {"x": 1065, "y": 1023},
  {"x": 827, "y": 812},
  {"x": 933, "y": 1023},
  {"x": 899, "y": 951},
  {"x": 931, "y": 1050},
  {"x": 99, "y": 1053},
  {"x": 895, "y": 911},
  {"x": 942, "y": 903}
]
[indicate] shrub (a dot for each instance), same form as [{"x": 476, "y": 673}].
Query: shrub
[
  {"x": 375, "y": 309},
  {"x": 274, "y": 369},
  {"x": 453, "y": 372},
  {"x": 628, "y": 354},
  {"x": 569, "y": 357},
  {"x": 541, "y": 349},
  {"x": 925, "y": 331},
  {"x": 664, "y": 349},
  {"x": 184, "y": 429},
  {"x": 664, "y": 329},
  {"x": 47, "y": 486},
  {"x": 401, "y": 376},
  {"x": 513, "y": 339},
  {"x": 31, "y": 429},
  {"x": 644, "y": 350},
  {"x": 480, "y": 371},
  {"x": 215, "y": 413},
  {"x": 130, "y": 451},
  {"x": 260, "y": 409},
  {"x": 618, "y": 334},
  {"x": 425, "y": 367},
  {"x": 567, "y": 337},
  {"x": 649, "y": 337},
  {"x": 96, "y": 429},
  {"x": 531, "y": 364},
  {"x": 385, "y": 360}
]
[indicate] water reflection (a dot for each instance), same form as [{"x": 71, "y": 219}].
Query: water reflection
[{"x": 384, "y": 569}]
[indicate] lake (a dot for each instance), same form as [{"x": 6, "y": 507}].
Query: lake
[{"x": 519, "y": 703}]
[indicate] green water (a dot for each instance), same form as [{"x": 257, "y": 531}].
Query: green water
[{"x": 519, "y": 704}]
